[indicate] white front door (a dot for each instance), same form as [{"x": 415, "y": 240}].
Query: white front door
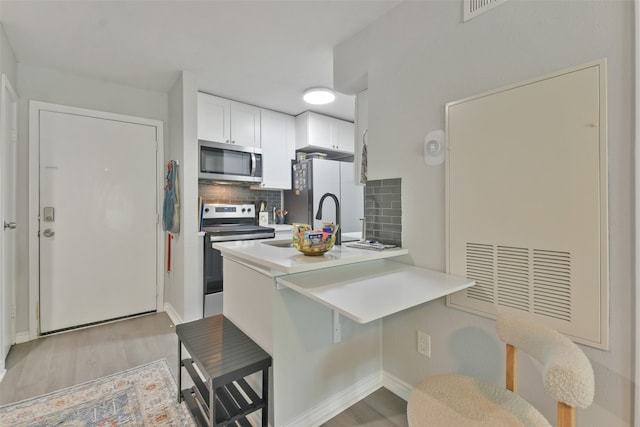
[
  {"x": 98, "y": 219},
  {"x": 8, "y": 173}
]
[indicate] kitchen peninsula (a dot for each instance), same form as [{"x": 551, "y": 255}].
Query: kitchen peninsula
[{"x": 320, "y": 318}]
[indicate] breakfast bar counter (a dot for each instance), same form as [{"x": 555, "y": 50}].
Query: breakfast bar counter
[
  {"x": 384, "y": 288},
  {"x": 320, "y": 318}
]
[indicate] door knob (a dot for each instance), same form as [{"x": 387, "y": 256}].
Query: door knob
[
  {"x": 48, "y": 232},
  {"x": 9, "y": 225}
]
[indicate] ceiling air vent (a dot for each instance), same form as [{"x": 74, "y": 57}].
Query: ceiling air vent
[{"x": 473, "y": 8}]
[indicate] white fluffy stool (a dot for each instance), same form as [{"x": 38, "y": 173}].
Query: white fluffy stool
[{"x": 455, "y": 400}]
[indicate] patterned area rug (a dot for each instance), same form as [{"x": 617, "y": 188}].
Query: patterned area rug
[{"x": 142, "y": 396}]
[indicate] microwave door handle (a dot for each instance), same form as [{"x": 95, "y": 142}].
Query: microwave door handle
[{"x": 253, "y": 164}]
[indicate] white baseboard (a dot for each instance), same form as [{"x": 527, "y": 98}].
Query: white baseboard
[
  {"x": 173, "y": 314},
  {"x": 255, "y": 418},
  {"x": 396, "y": 386},
  {"x": 338, "y": 402},
  {"x": 22, "y": 337}
]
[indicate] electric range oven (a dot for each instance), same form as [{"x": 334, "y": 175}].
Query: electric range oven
[{"x": 225, "y": 223}]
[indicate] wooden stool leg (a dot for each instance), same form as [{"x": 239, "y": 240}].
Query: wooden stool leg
[
  {"x": 512, "y": 368},
  {"x": 566, "y": 415},
  {"x": 265, "y": 396}
]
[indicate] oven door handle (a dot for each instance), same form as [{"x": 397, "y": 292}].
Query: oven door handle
[{"x": 238, "y": 237}]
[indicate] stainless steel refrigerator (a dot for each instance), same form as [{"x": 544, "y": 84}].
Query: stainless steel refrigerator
[{"x": 315, "y": 177}]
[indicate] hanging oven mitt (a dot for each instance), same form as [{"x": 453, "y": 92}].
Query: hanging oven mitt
[{"x": 171, "y": 208}]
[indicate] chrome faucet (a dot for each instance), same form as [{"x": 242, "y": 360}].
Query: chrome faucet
[{"x": 319, "y": 214}]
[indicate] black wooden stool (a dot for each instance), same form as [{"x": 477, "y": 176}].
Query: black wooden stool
[{"x": 224, "y": 355}]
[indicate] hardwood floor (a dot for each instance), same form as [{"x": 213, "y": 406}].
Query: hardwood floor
[
  {"x": 74, "y": 357},
  {"x": 381, "y": 408},
  {"x": 71, "y": 358}
]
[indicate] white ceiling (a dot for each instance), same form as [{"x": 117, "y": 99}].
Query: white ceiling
[{"x": 263, "y": 52}]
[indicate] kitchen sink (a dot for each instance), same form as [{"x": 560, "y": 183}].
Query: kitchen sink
[{"x": 279, "y": 243}]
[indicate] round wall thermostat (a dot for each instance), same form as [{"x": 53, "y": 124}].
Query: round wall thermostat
[{"x": 434, "y": 147}]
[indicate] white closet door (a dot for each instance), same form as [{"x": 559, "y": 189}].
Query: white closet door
[
  {"x": 8, "y": 215},
  {"x": 98, "y": 241}
]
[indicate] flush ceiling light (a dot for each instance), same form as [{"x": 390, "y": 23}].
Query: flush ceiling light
[{"x": 319, "y": 96}]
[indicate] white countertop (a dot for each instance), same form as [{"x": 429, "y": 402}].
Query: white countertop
[
  {"x": 366, "y": 292},
  {"x": 281, "y": 227},
  {"x": 288, "y": 260}
]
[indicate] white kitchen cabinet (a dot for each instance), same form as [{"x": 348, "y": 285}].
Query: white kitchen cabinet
[
  {"x": 315, "y": 131},
  {"x": 343, "y": 135},
  {"x": 245, "y": 125},
  {"x": 227, "y": 121},
  {"x": 278, "y": 149},
  {"x": 214, "y": 116}
]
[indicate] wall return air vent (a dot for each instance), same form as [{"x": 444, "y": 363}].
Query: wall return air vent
[
  {"x": 527, "y": 201},
  {"x": 473, "y": 8}
]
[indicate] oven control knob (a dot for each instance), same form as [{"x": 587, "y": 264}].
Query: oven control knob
[
  {"x": 248, "y": 210},
  {"x": 206, "y": 209}
]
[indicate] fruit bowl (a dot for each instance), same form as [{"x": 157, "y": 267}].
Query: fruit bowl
[{"x": 314, "y": 242}]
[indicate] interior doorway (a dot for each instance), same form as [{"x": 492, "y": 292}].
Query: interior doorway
[{"x": 8, "y": 245}]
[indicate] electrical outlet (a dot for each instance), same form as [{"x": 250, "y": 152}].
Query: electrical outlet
[{"x": 424, "y": 344}]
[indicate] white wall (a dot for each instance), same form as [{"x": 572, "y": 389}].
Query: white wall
[
  {"x": 36, "y": 83},
  {"x": 183, "y": 286},
  {"x": 351, "y": 64},
  {"x": 422, "y": 56},
  {"x": 7, "y": 58}
]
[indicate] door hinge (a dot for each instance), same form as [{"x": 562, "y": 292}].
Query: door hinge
[
  {"x": 14, "y": 135},
  {"x": 38, "y": 311},
  {"x": 12, "y": 315}
]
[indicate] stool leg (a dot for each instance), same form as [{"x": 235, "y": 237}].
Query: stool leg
[
  {"x": 212, "y": 402},
  {"x": 179, "y": 371},
  {"x": 265, "y": 397}
]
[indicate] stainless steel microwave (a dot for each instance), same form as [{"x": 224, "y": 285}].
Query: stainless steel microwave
[{"x": 228, "y": 162}]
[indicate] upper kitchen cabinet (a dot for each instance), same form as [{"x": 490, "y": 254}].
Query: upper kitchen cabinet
[
  {"x": 322, "y": 133},
  {"x": 278, "y": 149},
  {"x": 229, "y": 122},
  {"x": 245, "y": 125},
  {"x": 214, "y": 117}
]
